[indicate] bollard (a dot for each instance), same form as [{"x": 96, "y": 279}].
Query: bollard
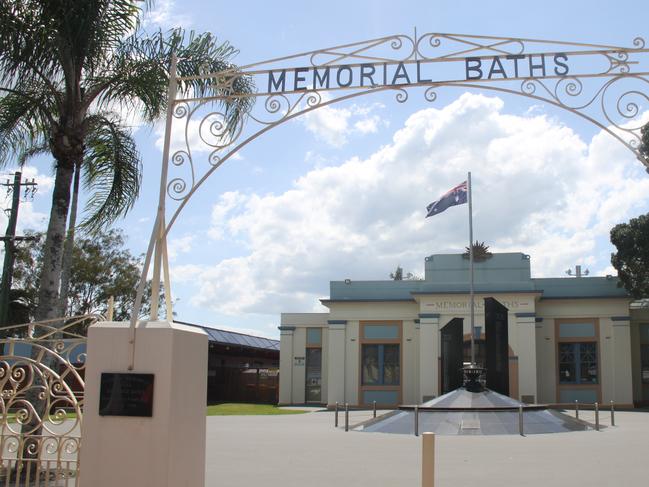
[
  {"x": 576, "y": 409},
  {"x": 374, "y": 408},
  {"x": 612, "y": 413},
  {"x": 346, "y": 417},
  {"x": 597, "y": 416},
  {"x": 416, "y": 420},
  {"x": 520, "y": 420},
  {"x": 336, "y": 416},
  {"x": 428, "y": 460}
]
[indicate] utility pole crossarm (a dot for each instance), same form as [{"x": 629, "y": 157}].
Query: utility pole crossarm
[{"x": 10, "y": 238}]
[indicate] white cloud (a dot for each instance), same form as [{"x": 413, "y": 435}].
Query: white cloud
[
  {"x": 180, "y": 245},
  {"x": 329, "y": 124},
  {"x": 184, "y": 273},
  {"x": 538, "y": 188},
  {"x": 28, "y": 217},
  {"x": 334, "y": 125},
  {"x": 164, "y": 15},
  {"x": 368, "y": 125}
]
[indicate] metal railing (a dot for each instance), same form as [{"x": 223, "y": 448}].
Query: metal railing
[
  {"x": 347, "y": 409},
  {"x": 578, "y": 407}
]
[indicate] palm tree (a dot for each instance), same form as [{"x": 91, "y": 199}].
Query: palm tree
[{"x": 68, "y": 70}]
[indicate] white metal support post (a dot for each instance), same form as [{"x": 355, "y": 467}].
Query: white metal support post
[{"x": 158, "y": 242}]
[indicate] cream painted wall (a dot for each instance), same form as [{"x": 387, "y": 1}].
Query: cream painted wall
[
  {"x": 525, "y": 342},
  {"x": 621, "y": 391},
  {"x": 325, "y": 363},
  {"x": 336, "y": 364},
  {"x": 545, "y": 362},
  {"x": 286, "y": 367},
  {"x": 299, "y": 371},
  {"x": 352, "y": 359},
  {"x": 293, "y": 344},
  {"x": 410, "y": 362},
  {"x": 607, "y": 359},
  {"x": 385, "y": 310}
]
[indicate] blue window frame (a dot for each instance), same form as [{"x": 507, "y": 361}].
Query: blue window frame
[
  {"x": 578, "y": 363},
  {"x": 380, "y": 365}
]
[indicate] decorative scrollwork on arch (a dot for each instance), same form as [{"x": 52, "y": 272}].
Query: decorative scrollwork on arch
[{"x": 593, "y": 94}]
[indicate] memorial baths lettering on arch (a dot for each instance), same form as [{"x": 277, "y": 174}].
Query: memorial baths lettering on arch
[{"x": 514, "y": 66}]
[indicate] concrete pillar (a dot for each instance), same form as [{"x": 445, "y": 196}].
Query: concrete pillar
[
  {"x": 428, "y": 356},
  {"x": 168, "y": 448},
  {"x": 336, "y": 362},
  {"x": 526, "y": 351},
  {"x": 623, "y": 389},
  {"x": 286, "y": 364}
]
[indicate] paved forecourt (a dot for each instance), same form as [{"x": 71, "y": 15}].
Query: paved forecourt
[{"x": 306, "y": 449}]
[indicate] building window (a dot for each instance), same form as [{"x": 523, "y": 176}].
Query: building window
[
  {"x": 313, "y": 375},
  {"x": 314, "y": 337},
  {"x": 380, "y": 365},
  {"x": 578, "y": 363},
  {"x": 577, "y": 360}
]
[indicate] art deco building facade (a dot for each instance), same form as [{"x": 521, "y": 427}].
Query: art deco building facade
[{"x": 544, "y": 340}]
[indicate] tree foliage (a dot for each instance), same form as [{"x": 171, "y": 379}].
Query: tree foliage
[
  {"x": 644, "y": 143},
  {"x": 70, "y": 70},
  {"x": 101, "y": 267},
  {"x": 398, "y": 275},
  {"x": 632, "y": 257}
]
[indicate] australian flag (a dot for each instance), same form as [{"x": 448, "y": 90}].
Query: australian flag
[{"x": 456, "y": 196}]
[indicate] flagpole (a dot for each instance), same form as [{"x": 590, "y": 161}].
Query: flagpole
[{"x": 471, "y": 291}]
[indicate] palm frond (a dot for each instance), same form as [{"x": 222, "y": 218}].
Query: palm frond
[
  {"x": 139, "y": 74},
  {"x": 27, "y": 39},
  {"x": 112, "y": 172},
  {"x": 24, "y": 124}
]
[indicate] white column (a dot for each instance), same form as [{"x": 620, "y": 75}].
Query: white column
[
  {"x": 428, "y": 356},
  {"x": 623, "y": 390},
  {"x": 168, "y": 448},
  {"x": 526, "y": 351},
  {"x": 286, "y": 364},
  {"x": 336, "y": 362}
]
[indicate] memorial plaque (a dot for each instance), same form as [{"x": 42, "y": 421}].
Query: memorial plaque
[{"x": 126, "y": 395}]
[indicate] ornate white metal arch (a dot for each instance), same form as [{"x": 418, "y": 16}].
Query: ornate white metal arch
[{"x": 606, "y": 85}]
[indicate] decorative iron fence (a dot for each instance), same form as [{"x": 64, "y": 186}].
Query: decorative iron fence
[{"x": 42, "y": 369}]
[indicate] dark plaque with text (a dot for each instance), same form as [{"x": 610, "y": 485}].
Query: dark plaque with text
[{"x": 126, "y": 395}]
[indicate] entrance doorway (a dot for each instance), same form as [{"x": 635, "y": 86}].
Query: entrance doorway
[
  {"x": 313, "y": 387},
  {"x": 451, "y": 355},
  {"x": 497, "y": 346}
]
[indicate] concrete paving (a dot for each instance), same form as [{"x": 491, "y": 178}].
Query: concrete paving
[{"x": 306, "y": 450}]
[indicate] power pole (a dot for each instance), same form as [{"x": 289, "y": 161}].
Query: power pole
[{"x": 10, "y": 240}]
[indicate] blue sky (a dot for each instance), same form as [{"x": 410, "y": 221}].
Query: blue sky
[{"x": 341, "y": 193}]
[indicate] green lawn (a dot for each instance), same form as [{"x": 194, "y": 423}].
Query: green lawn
[{"x": 236, "y": 409}]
